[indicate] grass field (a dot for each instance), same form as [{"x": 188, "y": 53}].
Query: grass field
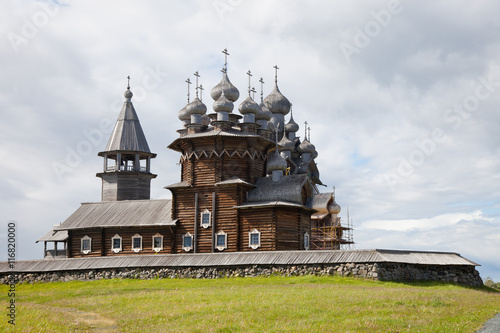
[{"x": 276, "y": 304}]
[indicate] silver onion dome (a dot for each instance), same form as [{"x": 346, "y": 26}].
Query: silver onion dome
[
  {"x": 286, "y": 143},
  {"x": 276, "y": 162},
  {"x": 196, "y": 107},
  {"x": 291, "y": 126},
  {"x": 223, "y": 104},
  {"x": 183, "y": 115},
  {"x": 205, "y": 120},
  {"x": 334, "y": 208},
  {"x": 249, "y": 106},
  {"x": 306, "y": 147},
  {"x": 276, "y": 102},
  {"x": 230, "y": 90},
  {"x": 264, "y": 113}
]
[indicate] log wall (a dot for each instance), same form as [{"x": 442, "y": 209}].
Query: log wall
[{"x": 101, "y": 241}]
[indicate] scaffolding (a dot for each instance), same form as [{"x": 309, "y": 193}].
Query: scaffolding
[{"x": 329, "y": 234}]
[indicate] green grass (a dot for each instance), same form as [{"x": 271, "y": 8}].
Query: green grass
[{"x": 283, "y": 304}]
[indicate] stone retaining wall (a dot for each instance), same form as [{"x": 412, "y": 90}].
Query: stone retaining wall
[{"x": 465, "y": 275}]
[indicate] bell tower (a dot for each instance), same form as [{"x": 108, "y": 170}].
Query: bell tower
[{"x": 127, "y": 159}]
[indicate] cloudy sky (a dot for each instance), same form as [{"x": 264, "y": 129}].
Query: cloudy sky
[{"x": 402, "y": 98}]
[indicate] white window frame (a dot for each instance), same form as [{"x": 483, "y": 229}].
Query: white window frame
[
  {"x": 157, "y": 249},
  {"x": 135, "y": 249},
  {"x": 206, "y": 225},
  {"x": 254, "y": 232},
  {"x": 307, "y": 240},
  {"x": 187, "y": 248},
  {"x": 116, "y": 250},
  {"x": 85, "y": 238},
  {"x": 224, "y": 246}
]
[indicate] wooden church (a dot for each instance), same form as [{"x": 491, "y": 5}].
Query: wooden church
[{"x": 247, "y": 183}]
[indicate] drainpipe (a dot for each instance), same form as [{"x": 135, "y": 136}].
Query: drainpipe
[
  {"x": 195, "y": 222},
  {"x": 213, "y": 222}
]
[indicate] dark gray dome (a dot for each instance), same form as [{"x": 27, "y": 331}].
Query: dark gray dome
[{"x": 276, "y": 162}]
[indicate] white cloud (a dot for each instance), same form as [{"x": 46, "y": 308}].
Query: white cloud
[{"x": 366, "y": 115}]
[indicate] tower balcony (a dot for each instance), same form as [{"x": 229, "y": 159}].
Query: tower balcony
[{"x": 130, "y": 168}]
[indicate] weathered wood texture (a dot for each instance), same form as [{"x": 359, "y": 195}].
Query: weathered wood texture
[
  {"x": 101, "y": 241},
  {"x": 125, "y": 185}
]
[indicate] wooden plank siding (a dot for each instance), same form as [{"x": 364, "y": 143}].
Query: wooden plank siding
[
  {"x": 126, "y": 185},
  {"x": 264, "y": 220}
]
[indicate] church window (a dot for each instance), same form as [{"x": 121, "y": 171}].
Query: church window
[
  {"x": 116, "y": 243},
  {"x": 187, "y": 242},
  {"x": 157, "y": 242},
  {"x": 306, "y": 241},
  {"x": 254, "y": 239},
  {"x": 206, "y": 218},
  {"x": 86, "y": 244},
  {"x": 221, "y": 243},
  {"x": 137, "y": 243}
]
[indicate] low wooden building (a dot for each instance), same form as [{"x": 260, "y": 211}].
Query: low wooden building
[{"x": 247, "y": 183}]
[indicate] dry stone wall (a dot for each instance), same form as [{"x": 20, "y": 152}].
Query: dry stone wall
[{"x": 464, "y": 275}]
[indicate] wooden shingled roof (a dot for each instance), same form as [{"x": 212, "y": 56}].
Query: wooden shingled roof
[
  {"x": 126, "y": 213},
  {"x": 54, "y": 236},
  {"x": 287, "y": 188},
  {"x": 127, "y": 134},
  {"x": 228, "y": 259}
]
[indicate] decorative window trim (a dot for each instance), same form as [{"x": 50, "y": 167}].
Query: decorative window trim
[
  {"x": 205, "y": 213},
  {"x": 307, "y": 240},
  {"x": 253, "y": 232},
  {"x": 116, "y": 250},
  {"x": 85, "y": 238},
  {"x": 136, "y": 249},
  {"x": 187, "y": 248},
  {"x": 221, "y": 247},
  {"x": 157, "y": 249}
]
